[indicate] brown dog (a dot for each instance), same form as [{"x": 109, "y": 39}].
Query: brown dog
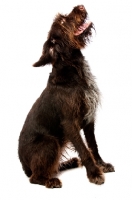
[{"x": 67, "y": 105}]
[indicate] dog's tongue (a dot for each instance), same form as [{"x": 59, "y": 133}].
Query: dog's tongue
[{"x": 82, "y": 28}]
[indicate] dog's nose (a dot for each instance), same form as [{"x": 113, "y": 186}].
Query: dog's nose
[{"x": 81, "y": 7}]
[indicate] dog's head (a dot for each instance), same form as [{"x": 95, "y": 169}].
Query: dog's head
[{"x": 68, "y": 32}]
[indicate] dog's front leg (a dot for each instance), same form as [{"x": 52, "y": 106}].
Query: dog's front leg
[
  {"x": 91, "y": 141},
  {"x": 72, "y": 133}
]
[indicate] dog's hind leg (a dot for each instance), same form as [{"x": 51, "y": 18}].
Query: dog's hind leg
[
  {"x": 91, "y": 141},
  {"x": 45, "y": 163},
  {"x": 70, "y": 164},
  {"x": 27, "y": 170}
]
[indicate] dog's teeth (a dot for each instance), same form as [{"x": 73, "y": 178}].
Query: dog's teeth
[{"x": 80, "y": 29}]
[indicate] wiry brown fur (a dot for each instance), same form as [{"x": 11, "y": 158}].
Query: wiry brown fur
[{"x": 67, "y": 105}]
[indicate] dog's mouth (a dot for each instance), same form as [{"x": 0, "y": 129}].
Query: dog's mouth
[
  {"x": 82, "y": 27},
  {"x": 85, "y": 22}
]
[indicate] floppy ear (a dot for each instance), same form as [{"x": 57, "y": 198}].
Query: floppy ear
[{"x": 46, "y": 56}]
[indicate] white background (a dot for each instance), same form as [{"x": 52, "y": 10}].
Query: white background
[{"x": 24, "y": 25}]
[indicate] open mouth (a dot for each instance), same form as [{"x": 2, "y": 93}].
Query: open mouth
[{"x": 82, "y": 27}]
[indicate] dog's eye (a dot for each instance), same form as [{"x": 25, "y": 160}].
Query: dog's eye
[{"x": 62, "y": 21}]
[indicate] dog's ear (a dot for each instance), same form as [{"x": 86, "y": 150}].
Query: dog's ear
[{"x": 45, "y": 57}]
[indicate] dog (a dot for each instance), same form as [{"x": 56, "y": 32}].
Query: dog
[{"x": 68, "y": 104}]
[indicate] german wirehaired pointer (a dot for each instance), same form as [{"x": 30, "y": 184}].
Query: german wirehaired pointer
[{"x": 67, "y": 105}]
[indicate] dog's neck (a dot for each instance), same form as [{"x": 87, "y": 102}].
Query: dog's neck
[
  {"x": 68, "y": 70},
  {"x": 73, "y": 58}
]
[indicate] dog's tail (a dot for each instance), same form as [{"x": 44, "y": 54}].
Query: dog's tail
[{"x": 70, "y": 164}]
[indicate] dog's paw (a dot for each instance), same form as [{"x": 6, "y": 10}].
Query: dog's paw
[
  {"x": 107, "y": 167},
  {"x": 99, "y": 179},
  {"x": 96, "y": 176},
  {"x": 53, "y": 183}
]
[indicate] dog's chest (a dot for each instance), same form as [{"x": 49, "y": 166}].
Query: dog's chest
[
  {"x": 91, "y": 103},
  {"x": 92, "y": 97}
]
